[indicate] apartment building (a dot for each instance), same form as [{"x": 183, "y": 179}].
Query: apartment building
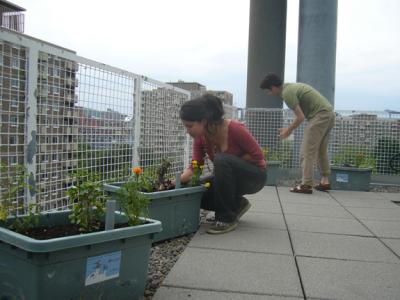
[
  {"x": 57, "y": 130},
  {"x": 12, "y": 16}
]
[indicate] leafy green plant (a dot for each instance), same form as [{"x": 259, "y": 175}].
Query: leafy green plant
[
  {"x": 133, "y": 203},
  {"x": 13, "y": 186},
  {"x": 282, "y": 151},
  {"x": 354, "y": 156},
  {"x": 89, "y": 200},
  {"x": 197, "y": 171}
]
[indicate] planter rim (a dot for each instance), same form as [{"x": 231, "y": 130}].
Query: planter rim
[
  {"x": 113, "y": 187},
  {"x": 350, "y": 168},
  {"x": 33, "y": 245},
  {"x": 273, "y": 162}
]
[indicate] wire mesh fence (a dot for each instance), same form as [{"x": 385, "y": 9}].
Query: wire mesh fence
[
  {"x": 83, "y": 116},
  {"x": 61, "y": 113},
  {"x": 361, "y": 139}
]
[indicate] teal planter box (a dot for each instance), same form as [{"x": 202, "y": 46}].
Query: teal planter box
[
  {"x": 101, "y": 265},
  {"x": 272, "y": 172},
  {"x": 178, "y": 210},
  {"x": 350, "y": 179}
]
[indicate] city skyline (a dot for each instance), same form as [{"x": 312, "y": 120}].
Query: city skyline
[{"x": 181, "y": 40}]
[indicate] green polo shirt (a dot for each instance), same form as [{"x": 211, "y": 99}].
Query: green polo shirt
[{"x": 309, "y": 99}]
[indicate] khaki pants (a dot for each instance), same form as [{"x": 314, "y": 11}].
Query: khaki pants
[{"x": 315, "y": 145}]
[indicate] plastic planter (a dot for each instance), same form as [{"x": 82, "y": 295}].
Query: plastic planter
[
  {"x": 101, "y": 265},
  {"x": 350, "y": 179},
  {"x": 272, "y": 172},
  {"x": 178, "y": 210}
]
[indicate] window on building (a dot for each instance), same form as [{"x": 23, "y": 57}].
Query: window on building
[
  {"x": 14, "y": 83},
  {"x": 13, "y": 120},
  {"x": 14, "y": 62},
  {"x": 56, "y": 90},
  {"x": 12, "y": 160},
  {"x": 14, "y": 100},
  {"x": 55, "y": 139},
  {"x": 13, "y": 140}
]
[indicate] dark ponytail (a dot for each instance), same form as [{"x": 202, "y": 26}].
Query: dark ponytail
[{"x": 207, "y": 107}]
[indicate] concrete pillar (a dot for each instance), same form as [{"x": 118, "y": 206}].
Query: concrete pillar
[
  {"x": 316, "y": 56},
  {"x": 266, "y": 53}
]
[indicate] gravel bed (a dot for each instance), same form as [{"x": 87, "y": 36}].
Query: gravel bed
[{"x": 163, "y": 256}]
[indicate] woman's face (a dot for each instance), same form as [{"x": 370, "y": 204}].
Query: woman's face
[{"x": 194, "y": 128}]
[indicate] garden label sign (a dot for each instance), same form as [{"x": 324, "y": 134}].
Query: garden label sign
[
  {"x": 342, "y": 177},
  {"x": 103, "y": 267}
]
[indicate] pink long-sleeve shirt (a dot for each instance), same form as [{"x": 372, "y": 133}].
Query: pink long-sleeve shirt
[{"x": 240, "y": 142}]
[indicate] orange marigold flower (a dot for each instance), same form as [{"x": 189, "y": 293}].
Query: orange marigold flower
[{"x": 137, "y": 170}]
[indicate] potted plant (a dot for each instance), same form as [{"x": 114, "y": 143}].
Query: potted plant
[
  {"x": 178, "y": 208},
  {"x": 352, "y": 168},
  {"x": 273, "y": 164},
  {"x": 68, "y": 254}
]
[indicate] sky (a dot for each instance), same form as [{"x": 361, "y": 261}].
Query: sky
[{"x": 206, "y": 41}]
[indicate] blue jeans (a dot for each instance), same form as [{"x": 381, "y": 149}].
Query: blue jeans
[{"x": 233, "y": 178}]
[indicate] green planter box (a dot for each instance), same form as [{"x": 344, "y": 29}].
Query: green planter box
[
  {"x": 178, "y": 210},
  {"x": 350, "y": 179},
  {"x": 272, "y": 172},
  {"x": 101, "y": 265}
]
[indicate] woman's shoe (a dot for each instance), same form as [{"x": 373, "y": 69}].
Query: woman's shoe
[
  {"x": 222, "y": 227},
  {"x": 302, "y": 189},
  {"x": 323, "y": 187}
]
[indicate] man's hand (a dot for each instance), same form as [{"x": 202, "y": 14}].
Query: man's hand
[{"x": 284, "y": 133}]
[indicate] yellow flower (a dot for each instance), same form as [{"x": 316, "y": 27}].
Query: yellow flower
[
  {"x": 202, "y": 167},
  {"x": 207, "y": 185},
  {"x": 137, "y": 170},
  {"x": 194, "y": 163}
]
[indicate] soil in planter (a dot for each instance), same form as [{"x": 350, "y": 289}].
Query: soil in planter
[
  {"x": 165, "y": 186},
  {"x": 46, "y": 233}
]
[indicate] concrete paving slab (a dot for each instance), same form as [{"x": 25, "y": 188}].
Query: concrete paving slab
[
  {"x": 317, "y": 198},
  {"x": 326, "y": 225},
  {"x": 245, "y": 239},
  {"x": 355, "y": 194},
  {"x": 339, "y": 279},
  {"x": 385, "y": 229},
  {"x": 393, "y": 244},
  {"x": 376, "y": 214},
  {"x": 372, "y": 203},
  {"x": 341, "y": 247},
  {"x": 266, "y": 194},
  {"x": 263, "y": 220},
  {"x": 265, "y": 206},
  {"x": 390, "y": 196},
  {"x": 172, "y": 293},
  {"x": 314, "y": 210},
  {"x": 241, "y": 272}
]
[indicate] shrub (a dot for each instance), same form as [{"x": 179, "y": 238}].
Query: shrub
[{"x": 354, "y": 156}]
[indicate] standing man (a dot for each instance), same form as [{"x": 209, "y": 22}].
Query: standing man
[{"x": 306, "y": 102}]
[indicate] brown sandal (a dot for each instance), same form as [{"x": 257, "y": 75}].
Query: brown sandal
[
  {"x": 324, "y": 187},
  {"x": 302, "y": 188}
]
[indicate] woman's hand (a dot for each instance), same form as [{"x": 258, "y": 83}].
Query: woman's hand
[{"x": 284, "y": 133}]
